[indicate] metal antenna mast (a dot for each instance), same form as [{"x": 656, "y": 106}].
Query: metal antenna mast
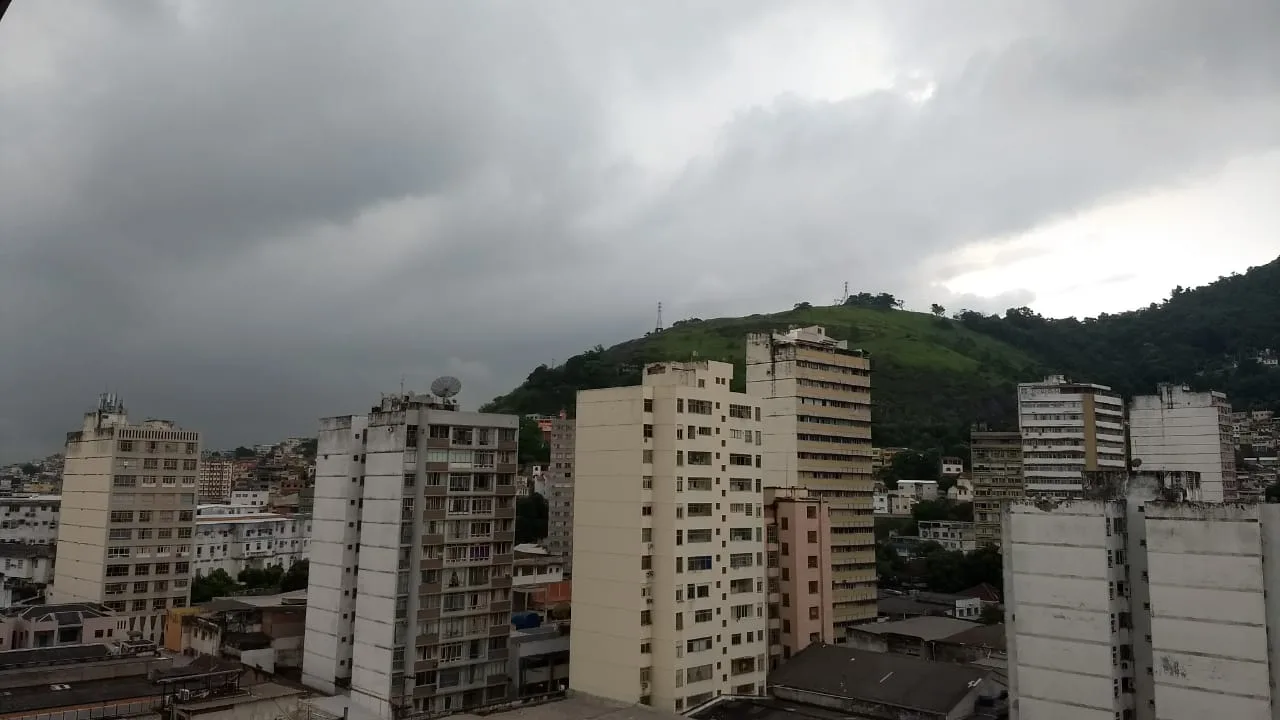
[{"x": 659, "y": 318}]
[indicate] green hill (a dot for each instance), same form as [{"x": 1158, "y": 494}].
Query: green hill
[{"x": 932, "y": 377}]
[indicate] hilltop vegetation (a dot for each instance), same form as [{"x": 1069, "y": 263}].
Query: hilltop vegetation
[{"x": 932, "y": 376}]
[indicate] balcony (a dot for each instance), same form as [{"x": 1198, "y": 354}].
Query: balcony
[
  {"x": 499, "y": 631},
  {"x": 422, "y": 641},
  {"x": 432, "y": 564},
  {"x": 505, "y": 513},
  {"x": 435, "y": 491},
  {"x": 505, "y": 490},
  {"x": 429, "y": 613},
  {"x": 500, "y": 606},
  {"x": 424, "y": 691},
  {"x": 504, "y": 537},
  {"x": 498, "y": 654},
  {"x": 433, "y": 539},
  {"x": 433, "y": 514},
  {"x": 411, "y": 460},
  {"x": 430, "y": 589},
  {"x": 438, "y": 443},
  {"x": 501, "y": 582},
  {"x": 502, "y": 559},
  {"x": 507, "y": 445}
]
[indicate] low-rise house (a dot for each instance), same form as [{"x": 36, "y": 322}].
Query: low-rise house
[
  {"x": 25, "y": 572},
  {"x": 260, "y": 631},
  {"x": 917, "y": 604},
  {"x": 950, "y": 534}
]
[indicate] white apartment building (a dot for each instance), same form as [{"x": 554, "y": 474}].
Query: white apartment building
[
  {"x": 255, "y": 498},
  {"x": 409, "y": 602},
  {"x": 919, "y": 489},
  {"x": 31, "y": 519},
  {"x": 128, "y": 517},
  {"x": 1132, "y": 603},
  {"x": 669, "y": 600},
  {"x": 1068, "y": 428},
  {"x": 1177, "y": 429},
  {"x": 950, "y": 534},
  {"x": 238, "y": 537}
]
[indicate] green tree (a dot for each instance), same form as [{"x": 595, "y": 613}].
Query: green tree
[
  {"x": 262, "y": 578},
  {"x": 243, "y": 452},
  {"x": 30, "y": 469},
  {"x": 216, "y": 584},
  {"x": 533, "y": 445},
  {"x": 297, "y": 577},
  {"x": 531, "y": 518},
  {"x": 937, "y": 309},
  {"x": 307, "y": 448}
]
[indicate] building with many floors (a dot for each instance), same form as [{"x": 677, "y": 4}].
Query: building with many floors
[
  {"x": 1178, "y": 429},
  {"x": 815, "y": 394},
  {"x": 30, "y": 519},
  {"x": 235, "y": 538},
  {"x": 798, "y": 561},
  {"x": 996, "y": 460},
  {"x": 217, "y": 476},
  {"x": 669, "y": 597},
  {"x": 409, "y": 603},
  {"x": 26, "y": 571},
  {"x": 1137, "y": 602},
  {"x": 560, "y": 489},
  {"x": 1068, "y": 428},
  {"x": 126, "y": 530},
  {"x": 950, "y": 534}
]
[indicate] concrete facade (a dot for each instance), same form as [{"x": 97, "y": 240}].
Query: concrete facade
[
  {"x": 128, "y": 517},
  {"x": 560, "y": 489},
  {"x": 237, "y": 537},
  {"x": 816, "y": 396},
  {"x": 30, "y": 519},
  {"x": 216, "y": 479},
  {"x": 1132, "y": 603},
  {"x": 1068, "y": 428},
  {"x": 950, "y": 534},
  {"x": 801, "y": 598},
  {"x": 409, "y": 602},
  {"x": 669, "y": 549},
  {"x": 1177, "y": 429},
  {"x": 997, "y": 478}
]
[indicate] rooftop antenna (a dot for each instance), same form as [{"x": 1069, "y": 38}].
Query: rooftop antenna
[
  {"x": 845, "y": 297},
  {"x": 659, "y": 318}
]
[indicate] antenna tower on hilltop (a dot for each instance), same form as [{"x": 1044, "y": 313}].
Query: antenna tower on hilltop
[
  {"x": 659, "y": 329},
  {"x": 845, "y": 297}
]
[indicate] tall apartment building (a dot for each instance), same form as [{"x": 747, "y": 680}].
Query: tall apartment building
[
  {"x": 216, "y": 478},
  {"x": 409, "y": 603},
  {"x": 816, "y": 395},
  {"x": 1177, "y": 429},
  {"x": 1134, "y": 603},
  {"x": 128, "y": 517},
  {"x": 560, "y": 489},
  {"x": 1068, "y": 428},
  {"x": 801, "y": 596},
  {"x": 669, "y": 551},
  {"x": 997, "y": 478}
]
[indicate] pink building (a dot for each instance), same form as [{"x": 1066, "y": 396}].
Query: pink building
[
  {"x": 39, "y": 626},
  {"x": 798, "y": 529}
]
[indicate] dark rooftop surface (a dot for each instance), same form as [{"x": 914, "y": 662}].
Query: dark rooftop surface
[
  {"x": 753, "y": 708},
  {"x": 41, "y": 613},
  {"x": 992, "y": 636},
  {"x": 59, "y": 654},
  {"x": 898, "y": 680},
  {"x": 44, "y": 697}
]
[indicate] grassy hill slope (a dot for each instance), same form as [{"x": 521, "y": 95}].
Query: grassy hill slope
[{"x": 931, "y": 377}]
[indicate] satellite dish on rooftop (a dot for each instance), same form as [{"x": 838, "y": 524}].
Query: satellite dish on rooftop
[{"x": 446, "y": 387}]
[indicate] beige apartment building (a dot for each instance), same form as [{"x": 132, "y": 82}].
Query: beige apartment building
[
  {"x": 816, "y": 396},
  {"x": 997, "y": 478},
  {"x": 128, "y": 517},
  {"x": 669, "y": 601},
  {"x": 216, "y": 478},
  {"x": 1068, "y": 428},
  {"x": 798, "y": 533}
]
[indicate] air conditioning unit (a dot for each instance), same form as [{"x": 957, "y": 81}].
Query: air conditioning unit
[{"x": 648, "y": 601}]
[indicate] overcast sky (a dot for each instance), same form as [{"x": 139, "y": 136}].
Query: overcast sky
[{"x": 247, "y": 215}]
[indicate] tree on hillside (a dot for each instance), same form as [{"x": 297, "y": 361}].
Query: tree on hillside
[
  {"x": 243, "y": 452},
  {"x": 803, "y": 306},
  {"x": 30, "y": 469},
  {"x": 533, "y": 445},
  {"x": 531, "y": 518},
  {"x": 937, "y": 309},
  {"x": 262, "y": 578}
]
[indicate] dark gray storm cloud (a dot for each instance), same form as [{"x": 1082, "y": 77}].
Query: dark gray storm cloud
[{"x": 248, "y": 215}]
